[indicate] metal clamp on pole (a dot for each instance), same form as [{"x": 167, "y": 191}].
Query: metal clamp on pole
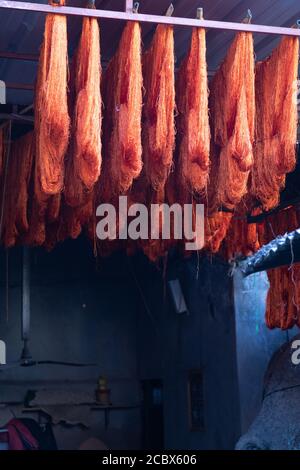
[
  {"x": 248, "y": 18},
  {"x": 199, "y": 14},
  {"x": 128, "y": 6},
  {"x": 91, "y": 4},
  {"x": 170, "y": 10},
  {"x": 135, "y": 8}
]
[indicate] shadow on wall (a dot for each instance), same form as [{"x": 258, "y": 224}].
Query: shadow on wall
[
  {"x": 255, "y": 342},
  {"x": 118, "y": 313},
  {"x": 277, "y": 425},
  {"x": 202, "y": 340},
  {"x": 79, "y": 312}
]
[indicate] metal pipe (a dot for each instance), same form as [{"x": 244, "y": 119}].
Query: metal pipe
[
  {"x": 17, "y": 117},
  {"x": 25, "y": 292},
  {"x": 15, "y": 55},
  {"x": 19, "y": 86},
  {"x": 26, "y": 356},
  {"x": 171, "y": 20}
]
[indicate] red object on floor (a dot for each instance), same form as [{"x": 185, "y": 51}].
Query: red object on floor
[{"x": 19, "y": 437}]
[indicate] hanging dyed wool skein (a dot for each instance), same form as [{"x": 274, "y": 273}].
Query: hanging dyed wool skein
[
  {"x": 216, "y": 227},
  {"x": 276, "y": 122},
  {"x": 51, "y": 107},
  {"x": 159, "y": 107},
  {"x": 233, "y": 111},
  {"x": 124, "y": 159},
  {"x": 87, "y": 115},
  {"x": 193, "y": 122},
  {"x": 15, "y": 202}
]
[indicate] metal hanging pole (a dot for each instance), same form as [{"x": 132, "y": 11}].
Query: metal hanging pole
[{"x": 129, "y": 16}]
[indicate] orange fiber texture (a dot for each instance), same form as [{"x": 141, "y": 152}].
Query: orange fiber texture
[
  {"x": 51, "y": 107},
  {"x": 232, "y": 120},
  {"x": 77, "y": 197},
  {"x": 283, "y": 300},
  {"x": 124, "y": 162},
  {"x": 15, "y": 219},
  {"x": 193, "y": 122},
  {"x": 276, "y": 122},
  {"x": 242, "y": 238},
  {"x": 287, "y": 220},
  {"x": 159, "y": 107},
  {"x": 87, "y": 115},
  {"x": 53, "y": 208},
  {"x": 216, "y": 227},
  {"x": 155, "y": 249},
  {"x": 75, "y": 192}
]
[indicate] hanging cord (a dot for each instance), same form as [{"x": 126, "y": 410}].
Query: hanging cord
[
  {"x": 164, "y": 276},
  {"x": 291, "y": 268},
  {"x": 7, "y": 157},
  {"x": 6, "y": 285},
  {"x": 147, "y": 309},
  {"x": 270, "y": 225},
  {"x": 198, "y": 265}
]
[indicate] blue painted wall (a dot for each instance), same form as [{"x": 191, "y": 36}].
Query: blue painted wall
[
  {"x": 255, "y": 342},
  {"x": 204, "y": 339}
]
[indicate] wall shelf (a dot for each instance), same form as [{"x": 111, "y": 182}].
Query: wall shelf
[{"x": 94, "y": 407}]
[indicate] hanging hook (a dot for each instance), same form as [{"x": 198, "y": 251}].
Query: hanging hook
[
  {"x": 249, "y": 17},
  {"x": 170, "y": 10},
  {"x": 199, "y": 14},
  {"x": 296, "y": 25},
  {"x": 91, "y": 4},
  {"x": 135, "y": 8}
]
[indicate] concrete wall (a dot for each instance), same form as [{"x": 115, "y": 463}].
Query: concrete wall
[
  {"x": 204, "y": 339},
  {"x": 80, "y": 312},
  {"x": 118, "y": 313}
]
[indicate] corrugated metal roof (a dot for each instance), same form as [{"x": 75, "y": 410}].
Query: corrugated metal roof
[{"x": 21, "y": 32}]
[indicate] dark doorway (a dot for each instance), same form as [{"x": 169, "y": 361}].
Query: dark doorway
[{"x": 153, "y": 419}]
